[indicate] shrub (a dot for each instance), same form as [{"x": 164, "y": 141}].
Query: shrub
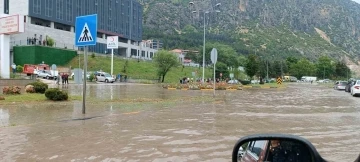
[
  {"x": 56, "y": 94},
  {"x": 11, "y": 90},
  {"x": 50, "y": 41},
  {"x": 19, "y": 69},
  {"x": 93, "y": 55},
  {"x": 30, "y": 89},
  {"x": 39, "y": 87},
  {"x": 91, "y": 77}
]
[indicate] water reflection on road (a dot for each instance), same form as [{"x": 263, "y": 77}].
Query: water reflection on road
[{"x": 181, "y": 131}]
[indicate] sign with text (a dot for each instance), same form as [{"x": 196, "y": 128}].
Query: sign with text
[
  {"x": 12, "y": 24},
  {"x": 112, "y": 42}
]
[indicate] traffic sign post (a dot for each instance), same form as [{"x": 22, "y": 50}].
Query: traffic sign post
[
  {"x": 85, "y": 35},
  {"x": 279, "y": 80},
  {"x": 214, "y": 56},
  {"x": 112, "y": 43}
]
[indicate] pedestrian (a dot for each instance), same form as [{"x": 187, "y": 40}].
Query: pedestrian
[
  {"x": 66, "y": 78},
  {"x": 58, "y": 79},
  {"x": 62, "y": 78},
  {"x": 13, "y": 66}
]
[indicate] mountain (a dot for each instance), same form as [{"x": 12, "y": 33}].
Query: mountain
[{"x": 279, "y": 28}]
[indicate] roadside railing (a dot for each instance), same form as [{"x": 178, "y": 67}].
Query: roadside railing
[{"x": 32, "y": 43}]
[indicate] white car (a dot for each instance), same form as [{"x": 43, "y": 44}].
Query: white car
[
  {"x": 44, "y": 74},
  {"x": 233, "y": 82},
  {"x": 104, "y": 77},
  {"x": 82, "y": 75},
  {"x": 355, "y": 89}
]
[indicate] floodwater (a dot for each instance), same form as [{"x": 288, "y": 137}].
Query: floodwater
[{"x": 170, "y": 126}]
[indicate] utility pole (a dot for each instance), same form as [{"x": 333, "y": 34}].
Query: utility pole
[
  {"x": 267, "y": 69},
  {"x": 324, "y": 73}
]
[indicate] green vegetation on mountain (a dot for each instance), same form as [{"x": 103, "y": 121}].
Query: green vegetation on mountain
[{"x": 273, "y": 29}]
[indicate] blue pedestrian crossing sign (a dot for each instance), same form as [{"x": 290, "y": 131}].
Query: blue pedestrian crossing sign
[{"x": 86, "y": 30}]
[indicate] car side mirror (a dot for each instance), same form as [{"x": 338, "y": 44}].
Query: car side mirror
[{"x": 274, "y": 147}]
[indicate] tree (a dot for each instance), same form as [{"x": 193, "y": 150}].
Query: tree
[
  {"x": 49, "y": 41},
  {"x": 164, "y": 61},
  {"x": 278, "y": 68},
  {"x": 221, "y": 68},
  {"x": 290, "y": 61},
  {"x": 252, "y": 65},
  {"x": 262, "y": 69},
  {"x": 325, "y": 69},
  {"x": 226, "y": 54},
  {"x": 189, "y": 29},
  {"x": 303, "y": 68},
  {"x": 342, "y": 71},
  {"x": 195, "y": 57}
]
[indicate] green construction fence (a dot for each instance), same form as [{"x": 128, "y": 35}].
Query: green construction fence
[{"x": 38, "y": 54}]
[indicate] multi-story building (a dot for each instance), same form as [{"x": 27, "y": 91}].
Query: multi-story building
[
  {"x": 156, "y": 44},
  {"x": 56, "y": 19}
]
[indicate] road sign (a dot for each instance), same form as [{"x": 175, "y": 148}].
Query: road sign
[
  {"x": 231, "y": 75},
  {"x": 220, "y": 74},
  {"x": 86, "y": 30},
  {"x": 193, "y": 74},
  {"x": 53, "y": 67},
  {"x": 214, "y": 55},
  {"x": 279, "y": 80},
  {"x": 112, "y": 42},
  {"x": 12, "y": 24}
]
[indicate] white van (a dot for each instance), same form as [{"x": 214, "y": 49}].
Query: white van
[{"x": 104, "y": 77}]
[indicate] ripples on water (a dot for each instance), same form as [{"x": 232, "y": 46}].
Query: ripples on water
[{"x": 186, "y": 131}]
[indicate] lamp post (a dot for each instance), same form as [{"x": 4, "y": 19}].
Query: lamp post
[
  {"x": 267, "y": 69},
  {"x": 204, "y": 41}
]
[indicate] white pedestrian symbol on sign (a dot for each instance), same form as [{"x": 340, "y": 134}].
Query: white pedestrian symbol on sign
[{"x": 85, "y": 35}]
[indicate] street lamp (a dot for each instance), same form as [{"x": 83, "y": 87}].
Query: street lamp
[{"x": 206, "y": 12}]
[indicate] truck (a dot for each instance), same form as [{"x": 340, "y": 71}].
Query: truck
[
  {"x": 290, "y": 79},
  {"x": 308, "y": 78},
  {"x": 30, "y": 69}
]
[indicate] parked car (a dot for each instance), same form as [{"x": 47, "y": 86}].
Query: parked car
[
  {"x": 104, "y": 77},
  {"x": 45, "y": 74},
  {"x": 349, "y": 85},
  {"x": 327, "y": 80},
  {"x": 340, "y": 85},
  {"x": 233, "y": 82},
  {"x": 355, "y": 89},
  {"x": 87, "y": 75}
]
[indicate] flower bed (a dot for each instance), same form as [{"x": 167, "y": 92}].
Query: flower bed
[
  {"x": 11, "y": 90},
  {"x": 205, "y": 86}
]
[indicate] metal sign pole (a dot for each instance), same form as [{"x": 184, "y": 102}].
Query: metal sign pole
[
  {"x": 84, "y": 81},
  {"x": 112, "y": 61},
  {"x": 214, "y": 78}
]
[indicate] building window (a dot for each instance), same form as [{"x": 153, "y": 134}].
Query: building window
[
  {"x": 37, "y": 6},
  {"x": 6, "y": 7},
  {"x": 68, "y": 10},
  {"x": 78, "y": 8},
  {"x": 48, "y": 7}
]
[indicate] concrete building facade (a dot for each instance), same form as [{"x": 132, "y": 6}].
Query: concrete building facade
[{"x": 56, "y": 19}]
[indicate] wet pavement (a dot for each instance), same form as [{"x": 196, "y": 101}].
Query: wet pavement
[{"x": 148, "y": 123}]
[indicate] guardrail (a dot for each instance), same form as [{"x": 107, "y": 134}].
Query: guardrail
[{"x": 32, "y": 43}]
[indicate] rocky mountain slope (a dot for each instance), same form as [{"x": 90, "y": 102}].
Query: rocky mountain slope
[{"x": 308, "y": 28}]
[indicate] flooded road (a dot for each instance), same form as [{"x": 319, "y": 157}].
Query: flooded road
[{"x": 167, "y": 125}]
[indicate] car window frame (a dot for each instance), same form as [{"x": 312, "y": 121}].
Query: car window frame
[{"x": 254, "y": 154}]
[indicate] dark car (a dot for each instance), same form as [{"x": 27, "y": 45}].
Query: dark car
[{"x": 348, "y": 86}]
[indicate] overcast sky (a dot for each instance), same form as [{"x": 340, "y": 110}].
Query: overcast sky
[{"x": 358, "y": 1}]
